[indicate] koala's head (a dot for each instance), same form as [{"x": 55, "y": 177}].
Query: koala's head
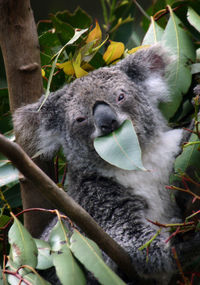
[{"x": 96, "y": 105}]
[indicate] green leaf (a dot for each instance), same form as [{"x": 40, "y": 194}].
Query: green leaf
[
  {"x": 67, "y": 268},
  {"x": 30, "y": 277},
  {"x": 49, "y": 43},
  {"x": 177, "y": 39},
  {"x": 4, "y": 220},
  {"x": 64, "y": 30},
  {"x": 179, "y": 80},
  {"x": 87, "y": 252},
  {"x": 8, "y": 174},
  {"x": 154, "y": 33},
  {"x": 12, "y": 195},
  {"x": 123, "y": 9},
  {"x": 43, "y": 26},
  {"x": 198, "y": 55},
  {"x": 45, "y": 59},
  {"x": 186, "y": 109},
  {"x": 190, "y": 157},
  {"x": 23, "y": 247},
  {"x": 44, "y": 254},
  {"x": 79, "y": 19},
  {"x": 34, "y": 279},
  {"x": 180, "y": 76},
  {"x": 121, "y": 148},
  {"x": 58, "y": 236},
  {"x": 195, "y": 68},
  {"x": 14, "y": 278},
  {"x": 193, "y": 18},
  {"x": 97, "y": 61}
]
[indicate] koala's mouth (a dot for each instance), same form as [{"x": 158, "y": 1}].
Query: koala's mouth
[
  {"x": 121, "y": 147},
  {"x": 106, "y": 120},
  {"x": 105, "y": 130}
]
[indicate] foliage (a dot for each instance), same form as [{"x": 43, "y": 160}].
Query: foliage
[
  {"x": 66, "y": 249},
  {"x": 70, "y": 48}
]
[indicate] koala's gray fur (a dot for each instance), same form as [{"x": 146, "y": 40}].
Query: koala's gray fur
[{"x": 120, "y": 201}]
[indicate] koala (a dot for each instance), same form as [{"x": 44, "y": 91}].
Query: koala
[{"x": 122, "y": 202}]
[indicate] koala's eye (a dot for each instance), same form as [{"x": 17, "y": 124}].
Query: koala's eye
[
  {"x": 121, "y": 97},
  {"x": 80, "y": 119}
]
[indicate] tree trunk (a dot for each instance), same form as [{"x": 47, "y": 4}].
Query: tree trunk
[{"x": 20, "y": 49}]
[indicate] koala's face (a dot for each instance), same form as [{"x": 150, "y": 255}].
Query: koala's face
[{"x": 103, "y": 100}]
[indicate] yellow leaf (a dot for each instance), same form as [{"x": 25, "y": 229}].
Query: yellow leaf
[
  {"x": 88, "y": 67},
  {"x": 43, "y": 72},
  {"x": 79, "y": 72},
  {"x": 114, "y": 51},
  {"x": 67, "y": 67},
  {"x": 133, "y": 50},
  {"x": 95, "y": 35}
]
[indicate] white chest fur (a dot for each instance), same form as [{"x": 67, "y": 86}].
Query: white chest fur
[{"x": 158, "y": 160}]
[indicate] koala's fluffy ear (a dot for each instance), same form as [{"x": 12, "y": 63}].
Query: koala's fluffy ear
[
  {"x": 150, "y": 66},
  {"x": 153, "y": 59},
  {"x": 40, "y": 132}
]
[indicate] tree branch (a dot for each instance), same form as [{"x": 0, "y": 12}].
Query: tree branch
[{"x": 67, "y": 205}]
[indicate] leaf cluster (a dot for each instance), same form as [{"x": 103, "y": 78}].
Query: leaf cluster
[{"x": 66, "y": 249}]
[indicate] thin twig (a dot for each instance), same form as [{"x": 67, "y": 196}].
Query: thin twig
[
  {"x": 64, "y": 174},
  {"x": 142, "y": 10},
  {"x": 186, "y": 281}
]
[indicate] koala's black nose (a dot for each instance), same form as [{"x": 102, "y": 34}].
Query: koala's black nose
[{"x": 105, "y": 118}]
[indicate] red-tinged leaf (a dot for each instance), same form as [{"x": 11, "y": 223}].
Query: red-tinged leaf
[
  {"x": 23, "y": 247},
  {"x": 95, "y": 35}
]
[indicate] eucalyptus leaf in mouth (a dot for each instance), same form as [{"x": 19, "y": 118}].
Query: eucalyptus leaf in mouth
[{"x": 121, "y": 148}]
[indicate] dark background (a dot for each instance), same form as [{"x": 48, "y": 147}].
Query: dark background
[{"x": 42, "y": 8}]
